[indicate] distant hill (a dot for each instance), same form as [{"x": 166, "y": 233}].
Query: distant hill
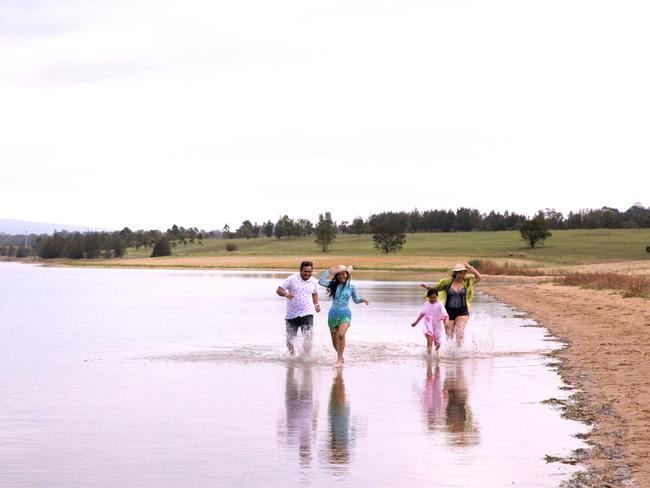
[{"x": 12, "y": 226}]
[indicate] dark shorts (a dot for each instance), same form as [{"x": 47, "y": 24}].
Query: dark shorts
[
  {"x": 454, "y": 312},
  {"x": 303, "y": 323}
]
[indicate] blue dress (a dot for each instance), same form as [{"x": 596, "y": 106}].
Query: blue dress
[{"x": 340, "y": 312}]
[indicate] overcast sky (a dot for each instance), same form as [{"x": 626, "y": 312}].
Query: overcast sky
[{"x": 203, "y": 112}]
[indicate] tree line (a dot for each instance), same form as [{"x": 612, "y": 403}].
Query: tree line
[
  {"x": 91, "y": 245},
  {"x": 20, "y": 251},
  {"x": 388, "y": 229},
  {"x": 462, "y": 220}
]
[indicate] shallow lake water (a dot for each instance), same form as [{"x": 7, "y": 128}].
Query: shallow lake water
[{"x": 181, "y": 378}]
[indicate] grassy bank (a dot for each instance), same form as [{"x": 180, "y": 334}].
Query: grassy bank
[
  {"x": 571, "y": 256},
  {"x": 568, "y": 247}
]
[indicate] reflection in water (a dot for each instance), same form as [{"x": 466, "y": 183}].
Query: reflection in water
[
  {"x": 302, "y": 413},
  {"x": 445, "y": 398},
  {"x": 459, "y": 420},
  {"x": 339, "y": 418},
  {"x": 434, "y": 399}
]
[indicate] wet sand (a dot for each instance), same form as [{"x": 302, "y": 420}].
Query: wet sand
[{"x": 607, "y": 358}]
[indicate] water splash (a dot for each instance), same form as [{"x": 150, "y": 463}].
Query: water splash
[
  {"x": 493, "y": 330},
  {"x": 358, "y": 353}
]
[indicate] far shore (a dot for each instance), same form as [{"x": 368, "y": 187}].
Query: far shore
[{"x": 392, "y": 263}]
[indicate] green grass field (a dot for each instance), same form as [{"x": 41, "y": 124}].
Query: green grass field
[{"x": 565, "y": 247}]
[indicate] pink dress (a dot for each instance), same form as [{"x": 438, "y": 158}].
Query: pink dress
[{"x": 434, "y": 314}]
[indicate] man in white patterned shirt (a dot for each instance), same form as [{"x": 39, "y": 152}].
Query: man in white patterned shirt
[{"x": 302, "y": 297}]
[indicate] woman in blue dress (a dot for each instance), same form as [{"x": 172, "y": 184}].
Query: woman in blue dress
[{"x": 339, "y": 289}]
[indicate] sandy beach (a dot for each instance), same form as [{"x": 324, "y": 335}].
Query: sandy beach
[{"x": 606, "y": 359}]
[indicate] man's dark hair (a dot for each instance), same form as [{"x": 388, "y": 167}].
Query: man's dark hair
[{"x": 304, "y": 264}]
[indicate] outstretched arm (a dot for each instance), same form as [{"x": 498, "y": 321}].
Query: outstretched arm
[
  {"x": 438, "y": 285},
  {"x": 323, "y": 281},
  {"x": 355, "y": 297},
  {"x": 417, "y": 320}
]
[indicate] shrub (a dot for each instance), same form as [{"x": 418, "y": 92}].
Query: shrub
[
  {"x": 475, "y": 263},
  {"x": 22, "y": 252},
  {"x": 231, "y": 246},
  {"x": 162, "y": 248}
]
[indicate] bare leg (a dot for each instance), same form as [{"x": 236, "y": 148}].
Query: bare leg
[
  {"x": 291, "y": 332},
  {"x": 449, "y": 329},
  {"x": 333, "y": 334},
  {"x": 307, "y": 339},
  {"x": 429, "y": 344},
  {"x": 461, "y": 322},
  {"x": 340, "y": 342}
]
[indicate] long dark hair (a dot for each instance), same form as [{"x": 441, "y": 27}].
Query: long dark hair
[{"x": 334, "y": 284}]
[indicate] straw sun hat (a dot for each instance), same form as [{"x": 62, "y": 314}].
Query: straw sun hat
[
  {"x": 340, "y": 268},
  {"x": 459, "y": 267}
]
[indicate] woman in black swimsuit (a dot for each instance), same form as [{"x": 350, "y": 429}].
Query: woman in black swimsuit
[{"x": 456, "y": 294}]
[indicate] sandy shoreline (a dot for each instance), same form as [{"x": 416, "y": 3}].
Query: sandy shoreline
[{"x": 607, "y": 359}]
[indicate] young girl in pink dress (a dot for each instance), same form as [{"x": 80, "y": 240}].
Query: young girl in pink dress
[{"x": 434, "y": 315}]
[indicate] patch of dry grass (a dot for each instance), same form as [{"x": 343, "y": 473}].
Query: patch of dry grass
[
  {"x": 285, "y": 262},
  {"x": 490, "y": 267},
  {"x": 630, "y": 285}
]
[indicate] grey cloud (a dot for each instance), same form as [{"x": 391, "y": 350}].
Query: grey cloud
[
  {"x": 98, "y": 70},
  {"x": 27, "y": 20}
]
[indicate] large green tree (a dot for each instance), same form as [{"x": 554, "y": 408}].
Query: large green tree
[
  {"x": 245, "y": 229},
  {"x": 388, "y": 238},
  {"x": 267, "y": 228},
  {"x": 286, "y": 227},
  {"x": 325, "y": 231},
  {"x": 534, "y": 231},
  {"x": 358, "y": 226}
]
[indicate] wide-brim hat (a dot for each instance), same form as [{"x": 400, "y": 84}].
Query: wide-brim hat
[
  {"x": 340, "y": 268},
  {"x": 459, "y": 267}
]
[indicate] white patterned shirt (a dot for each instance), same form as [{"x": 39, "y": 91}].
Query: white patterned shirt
[{"x": 302, "y": 290}]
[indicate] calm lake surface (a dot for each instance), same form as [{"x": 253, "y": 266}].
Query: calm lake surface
[{"x": 114, "y": 378}]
